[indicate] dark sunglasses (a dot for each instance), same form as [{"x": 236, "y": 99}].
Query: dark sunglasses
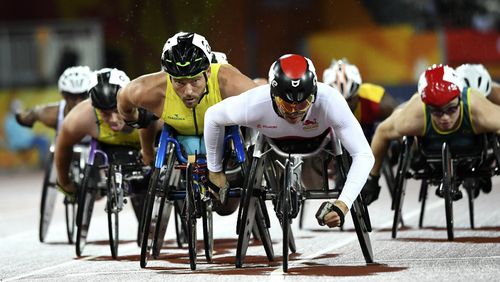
[{"x": 439, "y": 112}]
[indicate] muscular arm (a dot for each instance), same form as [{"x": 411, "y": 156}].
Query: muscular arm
[
  {"x": 407, "y": 120},
  {"x": 351, "y": 135},
  {"x": 46, "y": 114},
  {"x": 146, "y": 92},
  {"x": 494, "y": 96},
  {"x": 228, "y": 112},
  {"x": 232, "y": 82},
  {"x": 387, "y": 105},
  {"x": 148, "y": 136},
  {"x": 485, "y": 114},
  {"x": 78, "y": 123}
]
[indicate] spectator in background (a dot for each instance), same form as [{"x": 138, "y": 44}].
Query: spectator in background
[{"x": 19, "y": 138}]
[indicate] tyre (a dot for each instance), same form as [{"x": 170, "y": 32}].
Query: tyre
[
  {"x": 191, "y": 217},
  {"x": 246, "y": 222},
  {"x": 208, "y": 230},
  {"x": 48, "y": 200},
  {"x": 86, "y": 199},
  {"x": 113, "y": 207},
  {"x": 448, "y": 187}
]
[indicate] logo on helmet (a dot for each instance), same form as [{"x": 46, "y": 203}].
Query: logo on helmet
[{"x": 295, "y": 83}]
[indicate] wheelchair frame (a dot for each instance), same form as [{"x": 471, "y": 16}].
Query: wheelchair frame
[
  {"x": 116, "y": 174},
  {"x": 256, "y": 194},
  {"x": 446, "y": 176},
  {"x": 163, "y": 190}
]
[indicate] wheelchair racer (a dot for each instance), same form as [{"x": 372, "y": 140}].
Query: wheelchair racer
[
  {"x": 476, "y": 76},
  {"x": 98, "y": 118},
  {"x": 179, "y": 95},
  {"x": 74, "y": 84},
  {"x": 370, "y": 103},
  {"x": 442, "y": 110},
  {"x": 294, "y": 106}
]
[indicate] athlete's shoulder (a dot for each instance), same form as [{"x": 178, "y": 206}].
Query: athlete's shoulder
[{"x": 326, "y": 92}]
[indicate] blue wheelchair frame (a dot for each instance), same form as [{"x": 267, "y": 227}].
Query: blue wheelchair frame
[{"x": 195, "y": 177}]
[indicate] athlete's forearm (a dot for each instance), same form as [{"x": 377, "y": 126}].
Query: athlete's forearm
[
  {"x": 379, "y": 146},
  {"x": 62, "y": 159},
  {"x": 126, "y": 108},
  {"x": 147, "y": 137}
]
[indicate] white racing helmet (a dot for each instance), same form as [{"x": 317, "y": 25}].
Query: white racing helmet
[
  {"x": 76, "y": 80},
  {"x": 219, "y": 58},
  {"x": 476, "y": 77},
  {"x": 343, "y": 76}
]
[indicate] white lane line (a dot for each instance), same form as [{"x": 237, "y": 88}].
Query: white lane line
[{"x": 278, "y": 273}]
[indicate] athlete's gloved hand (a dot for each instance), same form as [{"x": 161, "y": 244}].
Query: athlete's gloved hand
[
  {"x": 371, "y": 190},
  {"x": 148, "y": 158},
  {"x": 219, "y": 180},
  {"x": 26, "y": 121},
  {"x": 332, "y": 214}
]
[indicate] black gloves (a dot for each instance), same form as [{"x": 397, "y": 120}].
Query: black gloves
[
  {"x": 145, "y": 118},
  {"x": 371, "y": 190}
]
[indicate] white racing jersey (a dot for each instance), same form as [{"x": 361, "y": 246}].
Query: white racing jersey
[{"x": 254, "y": 109}]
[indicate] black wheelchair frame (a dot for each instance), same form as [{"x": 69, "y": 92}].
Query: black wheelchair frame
[
  {"x": 121, "y": 167},
  {"x": 290, "y": 195},
  {"x": 443, "y": 169}
]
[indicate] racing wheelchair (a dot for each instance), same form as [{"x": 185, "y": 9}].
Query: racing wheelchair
[
  {"x": 115, "y": 172},
  {"x": 447, "y": 168},
  {"x": 49, "y": 192},
  {"x": 182, "y": 182},
  {"x": 287, "y": 193}
]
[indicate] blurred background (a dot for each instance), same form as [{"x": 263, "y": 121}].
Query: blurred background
[{"x": 391, "y": 42}]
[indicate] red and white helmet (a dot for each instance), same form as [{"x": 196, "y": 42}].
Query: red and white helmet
[
  {"x": 343, "y": 76},
  {"x": 293, "y": 78},
  {"x": 438, "y": 85},
  {"x": 475, "y": 76}
]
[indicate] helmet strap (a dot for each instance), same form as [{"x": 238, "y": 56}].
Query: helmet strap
[{"x": 206, "y": 86}]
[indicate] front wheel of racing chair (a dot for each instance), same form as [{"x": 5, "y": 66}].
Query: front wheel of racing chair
[
  {"x": 87, "y": 193},
  {"x": 156, "y": 215},
  {"x": 208, "y": 234},
  {"x": 285, "y": 211},
  {"x": 448, "y": 186},
  {"x": 400, "y": 182},
  {"x": 114, "y": 204},
  {"x": 49, "y": 195},
  {"x": 190, "y": 216},
  {"x": 252, "y": 207},
  {"x": 86, "y": 198},
  {"x": 359, "y": 211}
]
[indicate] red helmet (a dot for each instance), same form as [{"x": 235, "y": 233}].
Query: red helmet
[
  {"x": 293, "y": 78},
  {"x": 438, "y": 85}
]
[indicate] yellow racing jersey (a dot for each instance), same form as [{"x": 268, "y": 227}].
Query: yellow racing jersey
[
  {"x": 109, "y": 136},
  {"x": 188, "y": 121}
]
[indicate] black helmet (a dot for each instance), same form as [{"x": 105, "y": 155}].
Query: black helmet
[
  {"x": 293, "y": 79},
  {"x": 186, "y": 55},
  {"x": 104, "y": 88}
]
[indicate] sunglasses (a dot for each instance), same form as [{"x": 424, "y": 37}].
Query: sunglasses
[
  {"x": 294, "y": 107},
  {"x": 439, "y": 112}
]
